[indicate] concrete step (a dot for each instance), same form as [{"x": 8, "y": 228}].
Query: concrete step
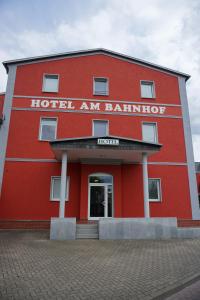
[
  {"x": 87, "y": 226},
  {"x": 87, "y": 231},
  {"x": 87, "y": 236}
]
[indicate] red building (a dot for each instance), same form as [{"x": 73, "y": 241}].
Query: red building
[{"x": 118, "y": 127}]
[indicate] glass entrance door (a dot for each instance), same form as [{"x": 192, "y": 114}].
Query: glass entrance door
[
  {"x": 100, "y": 196},
  {"x": 97, "y": 201}
]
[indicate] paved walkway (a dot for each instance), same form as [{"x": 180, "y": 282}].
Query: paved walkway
[
  {"x": 191, "y": 292},
  {"x": 33, "y": 267}
]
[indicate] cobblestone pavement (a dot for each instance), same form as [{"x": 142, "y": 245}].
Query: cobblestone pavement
[
  {"x": 33, "y": 267},
  {"x": 191, "y": 292}
]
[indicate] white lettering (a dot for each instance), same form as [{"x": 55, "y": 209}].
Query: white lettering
[
  {"x": 97, "y": 106},
  {"x": 62, "y": 104},
  {"x": 117, "y": 108},
  {"x": 94, "y": 106},
  {"x": 35, "y": 103},
  {"x": 162, "y": 109},
  {"x": 108, "y": 107},
  {"x": 154, "y": 109},
  {"x": 70, "y": 105},
  {"x": 84, "y": 106},
  {"x": 53, "y": 103},
  {"x": 127, "y": 107},
  {"x": 136, "y": 108},
  {"x": 45, "y": 103},
  {"x": 146, "y": 109}
]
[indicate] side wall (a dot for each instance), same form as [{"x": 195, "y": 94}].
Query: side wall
[
  {"x": 6, "y": 124},
  {"x": 189, "y": 151},
  {"x": 1, "y": 103}
]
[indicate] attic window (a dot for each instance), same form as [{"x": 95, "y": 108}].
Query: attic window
[
  {"x": 50, "y": 83},
  {"x": 100, "y": 86}
]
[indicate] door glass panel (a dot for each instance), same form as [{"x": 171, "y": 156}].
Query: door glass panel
[
  {"x": 109, "y": 200},
  {"x": 97, "y": 201}
]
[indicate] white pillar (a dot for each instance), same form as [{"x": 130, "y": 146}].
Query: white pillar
[
  {"x": 145, "y": 185},
  {"x": 63, "y": 185}
]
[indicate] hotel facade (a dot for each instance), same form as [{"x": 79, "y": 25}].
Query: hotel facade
[{"x": 95, "y": 135}]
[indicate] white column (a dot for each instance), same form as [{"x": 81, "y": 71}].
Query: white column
[
  {"x": 145, "y": 185},
  {"x": 63, "y": 185}
]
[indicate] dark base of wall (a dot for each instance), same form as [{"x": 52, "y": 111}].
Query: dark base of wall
[
  {"x": 188, "y": 223},
  {"x": 45, "y": 224},
  {"x": 24, "y": 224}
]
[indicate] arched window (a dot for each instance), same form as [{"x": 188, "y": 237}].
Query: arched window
[{"x": 100, "y": 178}]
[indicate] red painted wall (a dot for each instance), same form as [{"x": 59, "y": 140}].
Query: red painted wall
[
  {"x": 76, "y": 79},
  {"x": 26, "y": 191},
  {"x": 77, "y": 125},
  {"x": 26, "y": 185}
]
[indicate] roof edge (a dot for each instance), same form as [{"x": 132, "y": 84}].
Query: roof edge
[
  {"x": 101, "y": 137},
  {"x": 91, "y": 52}
]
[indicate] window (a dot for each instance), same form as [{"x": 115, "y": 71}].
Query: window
[
  {"x": 147, "y": 89},
  {"x": 100, "y": 86},
  {"x": 50, "y": 83},
  {"x": 55, "y": 188},
  {"x": 154, "y": 190},
  {"x": 149, "y": 132},
  {"x": 48, "y": 128},
  {"x": 100, "y": 178},
  {"x": 100, "y": 128}
]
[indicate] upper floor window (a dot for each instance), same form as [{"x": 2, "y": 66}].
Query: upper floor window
[
  {"x": 147, "y": 89},
  {"x": 48, "y": 127},
  {"x": 154, "y": 190},
  {"x": 50, "y": 83},
  {"x": 149, "y": 132},
  {"x": 100, "y": 86},
  {"x": 100, "y": 128}
]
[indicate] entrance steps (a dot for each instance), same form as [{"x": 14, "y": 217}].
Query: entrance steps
[{"x": 87, "y": 231}]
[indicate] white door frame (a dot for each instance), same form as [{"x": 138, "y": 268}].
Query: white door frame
[{"x": 105, "y": 185}]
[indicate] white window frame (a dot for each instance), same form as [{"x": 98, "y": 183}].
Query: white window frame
[
  {"x": 40, "y": 128},
  {"x": 159, "y": 190},
  {"x": 67, "y": 187},
  {"x": 153, "y": 88},
  {"x": 43, "y": 83},
  {"x": 107, "y": 86},
  {"x": 100, "y": 120},
  {"x": 156, "y": 131}
]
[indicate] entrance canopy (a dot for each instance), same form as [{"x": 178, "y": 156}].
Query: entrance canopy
[{"x": 102, "y": 149}]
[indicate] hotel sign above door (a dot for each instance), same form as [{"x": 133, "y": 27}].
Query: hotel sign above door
[{"x": 108, "y": 142}]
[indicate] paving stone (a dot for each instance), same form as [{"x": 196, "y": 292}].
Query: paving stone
[
  {"x": 33, "y": 267},
  {"x": 191, "y": 292}
]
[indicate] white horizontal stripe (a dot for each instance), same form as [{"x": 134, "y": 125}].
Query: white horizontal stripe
[
  {"x": 16, "y": 159},
  {"x": 30, "y": 159},
  {"x": 97, "y": 112}
]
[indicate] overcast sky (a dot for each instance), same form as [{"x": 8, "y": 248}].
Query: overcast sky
[{"x": 160, "y": 31}]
